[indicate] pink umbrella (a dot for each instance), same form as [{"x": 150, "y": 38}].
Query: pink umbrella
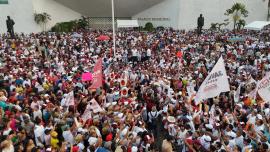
[{"x": 103, "y": 38}]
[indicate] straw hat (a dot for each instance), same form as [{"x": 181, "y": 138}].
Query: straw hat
[
  {"x": 171, "y": 119},
  {"x": 79, "y": 138}
]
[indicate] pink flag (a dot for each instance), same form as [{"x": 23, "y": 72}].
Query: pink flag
[
  {"x": 97, "y": 75},
  {"x": 87, "y": 76}
]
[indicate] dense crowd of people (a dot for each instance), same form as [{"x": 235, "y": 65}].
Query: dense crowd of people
[{"x": 147, "y": 94}]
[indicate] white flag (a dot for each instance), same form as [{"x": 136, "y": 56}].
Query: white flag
[
  {"x": 95, "y": 106},
  {"x": 237, "y": 93},
  {"x": 87, "y": 113},
  {"x": 215, "y": 83},
  {"x": 69, "y": 100},
  {"x": 264, "y": 88},
  {"x": 190, "y": 90}
]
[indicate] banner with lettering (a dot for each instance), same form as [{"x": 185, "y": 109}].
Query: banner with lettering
[
  {"x": 97, "y": 75},
  {"x": 264, "y": 88},
  {"x": 215, "y": 83}
]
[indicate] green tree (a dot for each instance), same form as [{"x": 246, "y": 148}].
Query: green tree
[
  {"x": 217, "y": 26},
  {"x": 214, "y": 26},
  {"x": 83, "y": 23},
  {"x": 149, "y": 27},
  {"x": 42, "y": 19},
  {"x": 237, "y": 11},
  {"x": 241, "y": 24}
]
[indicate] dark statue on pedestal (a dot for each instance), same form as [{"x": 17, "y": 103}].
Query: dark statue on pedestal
[
  {"x": 200, "y": 24},
  {"x": 10, "y": 23}
]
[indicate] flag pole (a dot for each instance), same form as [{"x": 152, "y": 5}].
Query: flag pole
[{"x": 113, "y": 25}]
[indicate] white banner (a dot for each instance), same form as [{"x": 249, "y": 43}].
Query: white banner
[
  {"x": 87, "y": 113},
  {"x": 190, "y": 90},
  {"x": 215, "y": 83},
  {"x": 95, "y": 106},
  {"x": 237, "y": 93},
  {"x": 69, "y": 100},
  {"x": 264, "y": 88}
]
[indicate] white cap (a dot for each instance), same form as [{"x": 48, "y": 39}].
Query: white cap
[
  {"x": 232, "y": 134},
  {"x": 259, "y": 116},
  {"x": 120, "y": 115},
  {"x": 134, "y": 149},
  {"x": 209, "y": 126},
  {"x": 207, "y": 138},
  {"x": 108, "y": 104},
  {"x": 240, "y": 105},
  {"x": 81, "y": 130},
  {"x": 92, "y": 141}
]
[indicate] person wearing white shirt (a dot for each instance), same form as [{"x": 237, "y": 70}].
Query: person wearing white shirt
[
  {"x": 39, "y": 87},
  {"x": 247, "y": 146},
  {"x": 205, "y": 141},
  {"x": 139, "y": 55},
  {"x": 26, "y": 82},
  {"x": 34, "y": 104},
  {"x": 37, "y": 113},
  {"x": 259, "y": 126},
  {"x": 134, "y": 54},
  {"x": 181, "y": 135},
  {"x": 12, "y": 87},
  {"x": 266, "y": 110},
  {"x": 148, "y": 53},
  {"x": 139, "y": 128},
  {"x": 239, "y": 140},
  {"x": 133, "y": 76},
  {"x": 39, "y": 133},
  {"x": 252, "y": 117},
  {"x": 68, "y": 136},
  {"x": 232, "y": 143},
  {"x": 172, "y": 129}
]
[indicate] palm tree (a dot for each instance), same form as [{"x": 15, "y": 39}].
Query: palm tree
[
  {"x": 42, "y": 19},
  {"x": 237, "y": 11},
  {"x": 240, "y": 24},
  {"x": 214, "y": 26}
]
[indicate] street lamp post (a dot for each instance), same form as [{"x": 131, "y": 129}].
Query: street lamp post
[{"x": 113, "y": 25}]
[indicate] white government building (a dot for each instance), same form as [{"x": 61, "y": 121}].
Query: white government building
[{"x": 179, "y": 14}]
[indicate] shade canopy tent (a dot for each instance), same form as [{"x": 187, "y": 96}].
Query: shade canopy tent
[
  {"x": 127, "y": 23},
  {"x": 257, "y": 25}
]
